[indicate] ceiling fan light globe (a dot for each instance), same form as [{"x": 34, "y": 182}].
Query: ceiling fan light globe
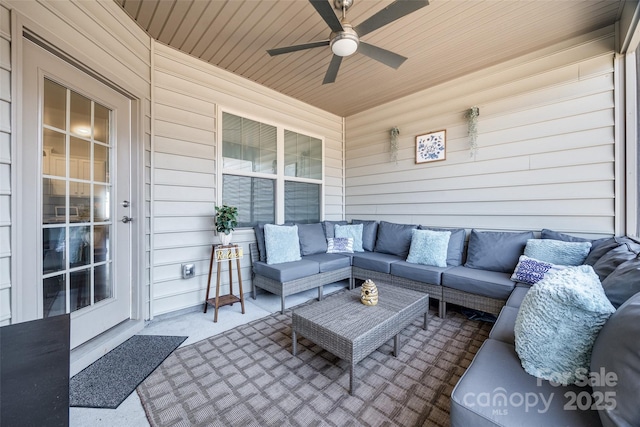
[{"x": 344, "y": 44}]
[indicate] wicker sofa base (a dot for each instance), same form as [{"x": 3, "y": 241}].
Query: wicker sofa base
[
  {"x": 305, "y": 283},
  {"x": 469, "y": 300}
]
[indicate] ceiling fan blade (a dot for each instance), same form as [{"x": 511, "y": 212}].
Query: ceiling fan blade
[
  {"x": 332, "y": 71},
  {"x": 385, "y": 56},
  {"x": 395, "y": 10},
  {"x": 324, "y": 8},
  {"x": 297, "y": 47}
]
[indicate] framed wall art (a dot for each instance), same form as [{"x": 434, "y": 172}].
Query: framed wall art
[{"x": 431, "y": 147}]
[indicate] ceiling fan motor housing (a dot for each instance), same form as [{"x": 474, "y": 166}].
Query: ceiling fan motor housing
[{"x": 345, "y": 42}]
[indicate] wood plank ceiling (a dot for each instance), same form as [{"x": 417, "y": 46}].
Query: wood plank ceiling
[{"x": 445, "y": 40}]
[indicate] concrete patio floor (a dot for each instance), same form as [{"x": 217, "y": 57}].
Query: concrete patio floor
[{"x": 197, "y": 326}]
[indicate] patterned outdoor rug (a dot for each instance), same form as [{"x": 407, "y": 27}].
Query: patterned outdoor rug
[{"x": 248, "y": 377}]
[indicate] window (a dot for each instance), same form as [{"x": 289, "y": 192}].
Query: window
[{"x": 270, "y": 173}]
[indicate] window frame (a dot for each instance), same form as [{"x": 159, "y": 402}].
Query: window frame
[{"x": 279, "y": 177}]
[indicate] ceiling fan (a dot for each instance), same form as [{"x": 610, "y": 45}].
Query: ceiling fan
[{"x": 345, "y": 39}]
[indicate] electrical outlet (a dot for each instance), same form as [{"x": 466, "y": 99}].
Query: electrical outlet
[{"x": 188, "y": 271}]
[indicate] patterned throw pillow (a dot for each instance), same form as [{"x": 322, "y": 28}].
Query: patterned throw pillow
[
  {"x": 530, "y": 270},
  {"x": 337, "y": 245},
  {"x": 429, "y": 247},
  {"x": 352, "y": 230}
]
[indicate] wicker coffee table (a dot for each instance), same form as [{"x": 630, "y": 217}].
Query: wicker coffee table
[{"x": 351, "y": 330}]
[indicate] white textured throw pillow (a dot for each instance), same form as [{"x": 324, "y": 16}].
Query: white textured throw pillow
[
  {"x": 429, "y": 247},
  {"x": 281, "y": 243},
  {"x": 558, "y": 322}
]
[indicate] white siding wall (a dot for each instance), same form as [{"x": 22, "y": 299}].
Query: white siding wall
[
  {"x": 546, "y": 147},
  {"x": 5, "y": 166},
  {"x": 188, "y": 94}
]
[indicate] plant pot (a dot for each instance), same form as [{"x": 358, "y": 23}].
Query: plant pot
[{"x": 225, "y": 239}]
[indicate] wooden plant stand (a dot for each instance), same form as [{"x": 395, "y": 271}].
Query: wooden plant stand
[{"x": 220, "y": 254}]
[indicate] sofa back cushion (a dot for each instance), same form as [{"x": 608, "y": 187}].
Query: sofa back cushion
[
  {"x": 369, "y": 233},
  {"x": 312, "y": 239},
  {"x": 555, "y": 235},
  {"x": 329, "y": 227},
  {"x": 496, "y": 250},
  {"x": 602, "y": 246},
  {"x": 608, "y": 262},
  {"x": 262, "y": 251},
  {"x": 623, "y": 283},
  {"x": 455, "y": 250},
  {"x": 616, "y": 361},
  {"x": 394, "y": 239}
]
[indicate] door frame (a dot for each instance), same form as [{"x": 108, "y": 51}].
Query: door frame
[{"x": 22, "y": 296}]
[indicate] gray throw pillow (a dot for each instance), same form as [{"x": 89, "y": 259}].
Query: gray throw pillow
[
  {"x": 312, "y": 239},
  {"x": 496, "y": 250},
  {"x": 394, "y": 239},
  {"x": 623, "y": 283},
  {"x": 616, "y": 354},
  {"x": 456, "y": 244},
  {"x": 369, "y": 233}
]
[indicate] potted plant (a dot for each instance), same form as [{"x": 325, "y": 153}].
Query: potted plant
[{"x": 226, "y": 221}]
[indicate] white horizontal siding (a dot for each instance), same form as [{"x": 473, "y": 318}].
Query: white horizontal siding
[
  {"x": 5, "y": 166},
  {"x": 546, "y": 147},
  {"x": 188, "y": 96}
]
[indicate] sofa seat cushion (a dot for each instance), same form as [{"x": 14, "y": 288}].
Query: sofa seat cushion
[
  {"x": 375, "y": 261},
  {"x": 503, "y": 328},
  {"x": 492, "y": 284},
  {"x": 329, "y": 262},
  {"x": 287, "y": 271},
  {"x": 516, "y": 297},
  {"x": 616, "y": 355},
  {"x": 496, "y": 391},
  {"x": 418, "y": 272}
]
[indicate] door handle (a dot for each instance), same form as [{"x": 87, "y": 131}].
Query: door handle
[{"x": 126, "y": 219}]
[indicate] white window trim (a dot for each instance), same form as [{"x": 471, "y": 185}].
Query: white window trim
[{"x": 279, "y": 176}]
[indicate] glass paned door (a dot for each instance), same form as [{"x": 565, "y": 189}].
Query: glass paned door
[
  {"x": 76, "y": 203},
  {"x": 75, "y": 169}
]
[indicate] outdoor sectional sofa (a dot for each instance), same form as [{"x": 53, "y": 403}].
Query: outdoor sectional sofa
[
  {"x": 481, "y": 283},
  {"x": 495, "y": 389}
]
